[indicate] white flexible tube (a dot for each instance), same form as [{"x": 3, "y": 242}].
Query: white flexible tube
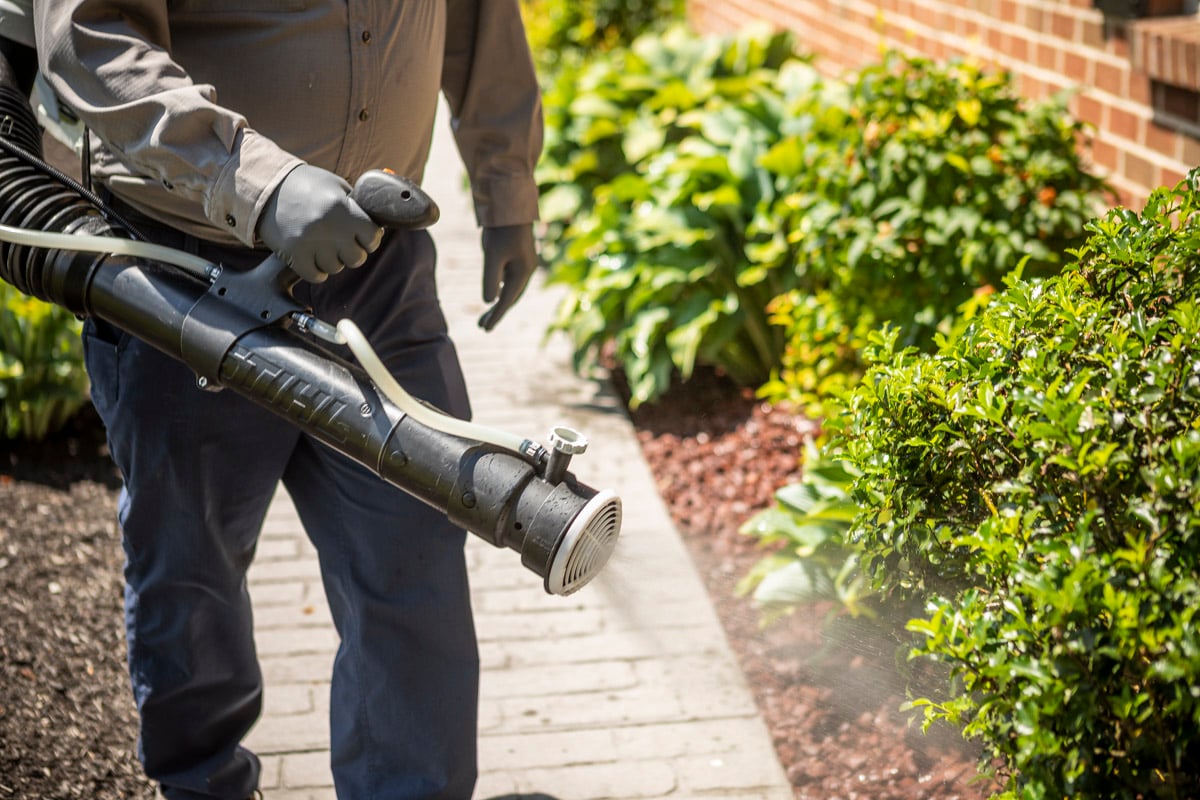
[
  {"x": 108, "y": 244},
  {"x": 354, "y": 337},
  {"x": 410, "y": 405}
]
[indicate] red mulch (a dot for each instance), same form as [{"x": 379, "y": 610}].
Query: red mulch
[{"x": 830, "y": 692}]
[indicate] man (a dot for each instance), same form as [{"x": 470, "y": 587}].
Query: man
[{"x": 230, "y": 128}]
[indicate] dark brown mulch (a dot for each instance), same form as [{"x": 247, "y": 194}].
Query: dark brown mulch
[
  {"x": 67, "y": 725},
  {"x": 831, "y": 701}
]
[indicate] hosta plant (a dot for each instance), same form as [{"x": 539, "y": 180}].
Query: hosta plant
[
  {"x": 608, "y": 116},
  {"x": 655, "y": 207},
  {"x": 811, "y": 560}
]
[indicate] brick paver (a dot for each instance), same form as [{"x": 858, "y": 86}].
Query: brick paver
[{"x": 626, "y": 689}]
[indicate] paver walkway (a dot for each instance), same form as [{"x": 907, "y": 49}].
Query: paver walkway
[{"x": 626, "y": 689}]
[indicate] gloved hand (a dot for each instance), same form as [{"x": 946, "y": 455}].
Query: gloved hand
[
  {"x": 509, "y": 259},
  {"x": 315, "y": 227}
]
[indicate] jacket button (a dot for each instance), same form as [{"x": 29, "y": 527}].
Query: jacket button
[
  {"x": 364, "y": 115},
  {"x": 230, "y": 221}
]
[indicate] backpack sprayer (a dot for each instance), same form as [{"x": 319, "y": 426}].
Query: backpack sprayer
[{"x": 244, "y": 331}]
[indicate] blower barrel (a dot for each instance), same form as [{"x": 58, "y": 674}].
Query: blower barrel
[{"x": 564, "y": 530}]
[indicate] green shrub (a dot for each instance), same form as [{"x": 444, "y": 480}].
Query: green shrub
[
  {"x": 935, "y": 179},
  {"x": 42, "y": 378},
  {"x": 1036, "y": 482}
]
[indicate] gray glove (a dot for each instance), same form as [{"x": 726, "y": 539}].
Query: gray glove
[
  {"x": 509, "y": 259},
  {"x": 315, "y": 227}
]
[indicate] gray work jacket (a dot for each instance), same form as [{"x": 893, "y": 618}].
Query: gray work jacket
[{"x": 203, "y": 106}]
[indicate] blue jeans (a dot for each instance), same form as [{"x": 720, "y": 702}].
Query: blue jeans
[{"x": 200, "y": 469}]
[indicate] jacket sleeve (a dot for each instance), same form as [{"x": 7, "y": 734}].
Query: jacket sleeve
[
  {"x": 496, "y": 107},
  {"x": 110, "y": 62}
]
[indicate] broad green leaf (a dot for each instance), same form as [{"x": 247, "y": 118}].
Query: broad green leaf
[
  {"x": 794, "y": 584},
  {"x": 643, "y": 137},
  {"x": 561, "y": 202}
]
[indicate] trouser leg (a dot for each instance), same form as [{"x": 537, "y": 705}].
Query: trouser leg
[
  {"x": 405, "y": 683},
  {"x": 199, "y": 471}
]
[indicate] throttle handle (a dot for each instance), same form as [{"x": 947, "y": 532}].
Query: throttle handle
[{"x": 393, "y": 201}]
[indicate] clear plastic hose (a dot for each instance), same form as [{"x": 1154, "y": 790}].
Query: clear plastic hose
[{"x": 410, "y": 405}]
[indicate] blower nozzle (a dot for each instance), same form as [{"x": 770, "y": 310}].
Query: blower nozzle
[{"x": 564, "y": 530}]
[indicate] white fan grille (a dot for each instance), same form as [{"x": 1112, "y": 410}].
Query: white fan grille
[{"x": 587, "y": 545}]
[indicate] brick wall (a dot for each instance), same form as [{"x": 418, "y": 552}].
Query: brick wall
[{"x": 1136, "y": 80}]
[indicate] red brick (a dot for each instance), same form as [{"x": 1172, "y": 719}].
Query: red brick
[
  {"x": 1008, "y": 10},
  {"x": 716, "y": 21},
  {"x": 1057, "y": 87},
  {"x": 1088, "y": 109},
  {"x": 1166, "y": 67},
  {"x": 1139, "y": 89},
  {"x": 1019, "y": 47},
  {"x": 1186, "y": 51},
  {"x": 1110, "y": 79},
  {"x": 1163, "y": 140},
  {"x": 1130, "y": 199},
  {"x": 1106, "y": 156},
  {"x": 1047, "y": 56},
  {"x": 1063, "y": 26},
  {"x": 1171, "y": 177},
  {"x": 1075, "y": 67},
  {"x": 934, "y": 17},
  {"x": 1123, "y": 124},
  {"x": 1035, "y": 18},
  {"x": 1147, "y": 53},
  {"x": 1093, "y": 32},
  {"x": 1140, "y": 171},
  {"x": 1034, "y": 88},
  {"x": 1191, "y": 150}
]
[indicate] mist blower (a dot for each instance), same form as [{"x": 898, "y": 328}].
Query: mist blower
[{"x": 244, "y": 331}]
